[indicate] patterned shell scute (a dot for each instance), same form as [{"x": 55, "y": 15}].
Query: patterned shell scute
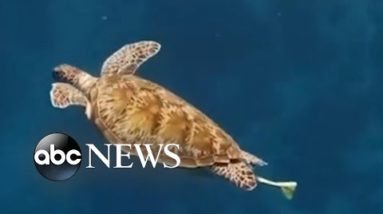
[{"x": 133, "y": 110}]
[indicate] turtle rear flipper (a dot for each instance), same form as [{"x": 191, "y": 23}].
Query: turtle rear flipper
[
  {"x": 239, "y": 173},
  {"x": 64, "y": 95}
]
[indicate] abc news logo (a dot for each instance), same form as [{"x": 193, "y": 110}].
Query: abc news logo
[{"x": 58, "y": 156}]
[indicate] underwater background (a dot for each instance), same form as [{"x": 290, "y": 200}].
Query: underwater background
[{"x": 298, "y": 83}]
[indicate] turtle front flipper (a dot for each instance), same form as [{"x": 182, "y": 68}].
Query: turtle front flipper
[
  {"x": 239, "y": 173},
  {"x": 127, "y": 59},
  {"x": 63, "y": 95}
]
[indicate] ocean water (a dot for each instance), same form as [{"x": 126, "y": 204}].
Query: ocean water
[{"x": 297, "y": 82}]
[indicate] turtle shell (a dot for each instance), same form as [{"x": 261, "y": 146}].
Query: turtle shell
[{"x": 132, "y": 110}]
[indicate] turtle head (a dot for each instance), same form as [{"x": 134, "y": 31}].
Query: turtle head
[
  {"x": 65, "y": 73},
  {"x": 74, "y": 76}
]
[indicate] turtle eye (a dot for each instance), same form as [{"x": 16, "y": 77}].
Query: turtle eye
[{"x": 57, "y": 76}]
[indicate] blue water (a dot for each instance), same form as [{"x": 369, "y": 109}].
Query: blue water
[{"x": 297, "y": 82}]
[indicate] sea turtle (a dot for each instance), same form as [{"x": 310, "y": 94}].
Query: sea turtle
[{"x": 130, "y": 109}]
